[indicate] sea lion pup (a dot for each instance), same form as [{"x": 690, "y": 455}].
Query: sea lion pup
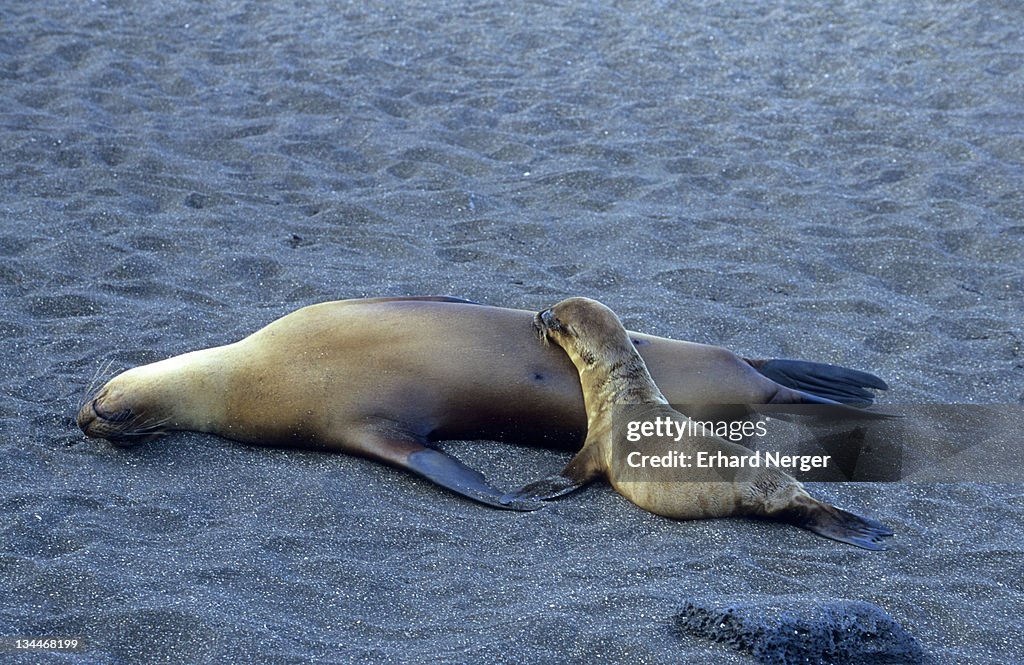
[
  {"x": 384, "y": 377},
  {"x": 613, "y": 374}
]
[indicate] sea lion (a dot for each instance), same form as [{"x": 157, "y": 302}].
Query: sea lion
[
  {"x": 383, "y": 377},
  {"x": 678, "y": 485}
]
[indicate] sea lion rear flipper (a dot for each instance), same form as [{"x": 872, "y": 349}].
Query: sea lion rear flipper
[
  {"x": 580, "y": 470},
  {"x": 833, "y": 382},
  {"x": 838, "y": 524},
  {"x": 451, "y": 473}
]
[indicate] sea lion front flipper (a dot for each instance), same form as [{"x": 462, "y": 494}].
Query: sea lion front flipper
[
  {"x": 833, "y": 382},
  {"x": 550, "y": 487},
  {"x": 838, "y": 524},
  {"x": 396, "y": 446},
  {"x": 580, "y": 470}
]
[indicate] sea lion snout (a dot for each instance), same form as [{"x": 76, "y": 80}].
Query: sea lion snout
[
  {"x": 86, "y": 416},
  {"x": 106, "y": 416},
  {"x": 97, "y": 422}
]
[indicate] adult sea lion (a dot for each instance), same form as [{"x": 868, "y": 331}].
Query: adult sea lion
[
  {"x": 679, "y": 485},
  {"x": 383, "y": 377}
]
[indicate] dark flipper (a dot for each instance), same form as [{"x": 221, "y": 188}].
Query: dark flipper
[
  {"x": 451, "y": 473},
  {"x": 799, "y": 403},
  {"x": 832, "y": 382},
  {"x": 837, "y": 524},
  {"x": 581, "y": 469},
  {"x": 847, "y": 527},
  {"x": 551, "y": 487},
  {"x": 396, "y": 445}
]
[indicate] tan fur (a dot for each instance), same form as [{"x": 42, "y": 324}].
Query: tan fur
[
  {"x": 323, "y": 374},
  {"x": 613, "y": 373},
  {"x": 382, "y": 377}
]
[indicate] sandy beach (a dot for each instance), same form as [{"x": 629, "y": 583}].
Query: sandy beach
[{"x": 839, "y": 182}]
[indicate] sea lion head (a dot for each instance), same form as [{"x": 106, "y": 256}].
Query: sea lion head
[
  {"x": 589, "y": 332},
  {"x": 120, "y": 413}
]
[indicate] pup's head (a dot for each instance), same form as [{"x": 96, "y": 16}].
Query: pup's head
[{"x": 589, "y": 332}]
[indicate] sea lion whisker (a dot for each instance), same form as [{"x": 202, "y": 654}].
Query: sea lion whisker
[
  {"x": 143, "y": 423},
  {"x": 156, "y": 425},
  {"x": 139, "y": 428},
  {"x": 94, "y": 385},
  {"x": 101, "y": 371},
  {"x": 138, "y": 433}
]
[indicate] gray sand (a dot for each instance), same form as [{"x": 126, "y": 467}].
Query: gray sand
[{"x": 839, "y": 182}]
